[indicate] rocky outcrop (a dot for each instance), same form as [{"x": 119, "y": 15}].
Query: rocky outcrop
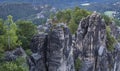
[
  {"x": 14, "y": 60},
  {"x": 91, "y": 43},
  {"x": 52, "y": 51},
  {"x": 90, "y": 40},
  {"x": 14, "y": 54},
  {"x": 115, "y": 31}
]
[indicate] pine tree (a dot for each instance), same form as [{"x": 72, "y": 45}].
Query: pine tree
[
  {"x": 11, "y": 38},
  {"x": 25, "y": 32},
  {"x": 2, "y": 31}
]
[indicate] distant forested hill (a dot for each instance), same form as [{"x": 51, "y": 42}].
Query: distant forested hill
[
  {"x": 57, "y": 3},
  {"x": 26, "y": 11},
  {"x": 31, "y": 9},
  {"x": 17, "y": 10}
]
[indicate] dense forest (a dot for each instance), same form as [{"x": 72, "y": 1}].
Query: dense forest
[
  {"x": 26, "y": 11},
  {"x": 14, "y": 35}
]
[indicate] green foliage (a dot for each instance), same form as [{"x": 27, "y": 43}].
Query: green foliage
[
  {"x": 15, "y": 34},
  {"x": 110, "y": 39},
  {"x": 9, "y": 66},
  {"x": 28, "y": 52},
  {"x": 10, "y": 36},
  {"x": 78, "y": 14},
  {"x": 107, "y": 19},
  {"x": 117, "y": 22},
  {"x": 73, "y": 26},
  {"x": 26, "y": 30},
  {"x": 77, "y": 64},
  {"x": 21, "y": 61},
  {"x": 72, "y": 17},
  {"x": 2, "y": 31},
  {"x": 18, "y": 65}
]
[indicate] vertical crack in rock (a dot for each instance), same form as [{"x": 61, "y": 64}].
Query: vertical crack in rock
[
  {"x": 52, "y": 52},
  {"x": 91, "y": 36},
  {"x": 45, "y": 45}
]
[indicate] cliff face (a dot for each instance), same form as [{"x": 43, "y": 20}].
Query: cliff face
[
  {"x": 91, "y": 43},
  {"x": 55, "y": 49}
]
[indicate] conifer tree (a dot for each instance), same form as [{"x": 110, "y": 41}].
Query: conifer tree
[{"x": 11, "y": 38}]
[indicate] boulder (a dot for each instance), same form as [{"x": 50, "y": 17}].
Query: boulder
[{"x": 14, "y": 54}]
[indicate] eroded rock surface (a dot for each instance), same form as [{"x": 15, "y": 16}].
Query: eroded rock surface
[
  {"x": 14, "y": 54},
  {"x": 90, "y": 40},
  {"x": 56, "y": 50},
  {"x": 53, "y": 51},
  {"x": 91, "y": 43}
]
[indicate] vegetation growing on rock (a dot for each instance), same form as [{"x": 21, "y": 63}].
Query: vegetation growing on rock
[
  {"x": 26, "y": 30},
  {"x": 14, "y": 65},
  {"x": 71, "y": 17},
  {"x": 107, "y": 19},
  {"x": 110, "y": 39},
  {"x": 13, "y": 35},
  {"x": 77, "y": 64}
]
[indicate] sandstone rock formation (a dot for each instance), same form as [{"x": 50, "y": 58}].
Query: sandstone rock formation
[
  {"x": 90, "y": 40},
  {"x": 91, "y": 43},
  {"x": 56, "y": 50},
  {"x": 52, "y": 51},
  {"x": 14, "y": 54}
]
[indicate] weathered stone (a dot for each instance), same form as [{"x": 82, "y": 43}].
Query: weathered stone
[
  {"x": 91, "y": 45},
  {"x": 14, "y": 54},
  {"x": 56, "y": 50},
  {"x": 52, "y": 52},
  {"x": 91, "y": 41}
]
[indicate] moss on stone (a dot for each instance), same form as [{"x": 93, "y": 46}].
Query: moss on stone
[
  {"x": 77, "y": 64},
  {"x": 110, "y": 39}
]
